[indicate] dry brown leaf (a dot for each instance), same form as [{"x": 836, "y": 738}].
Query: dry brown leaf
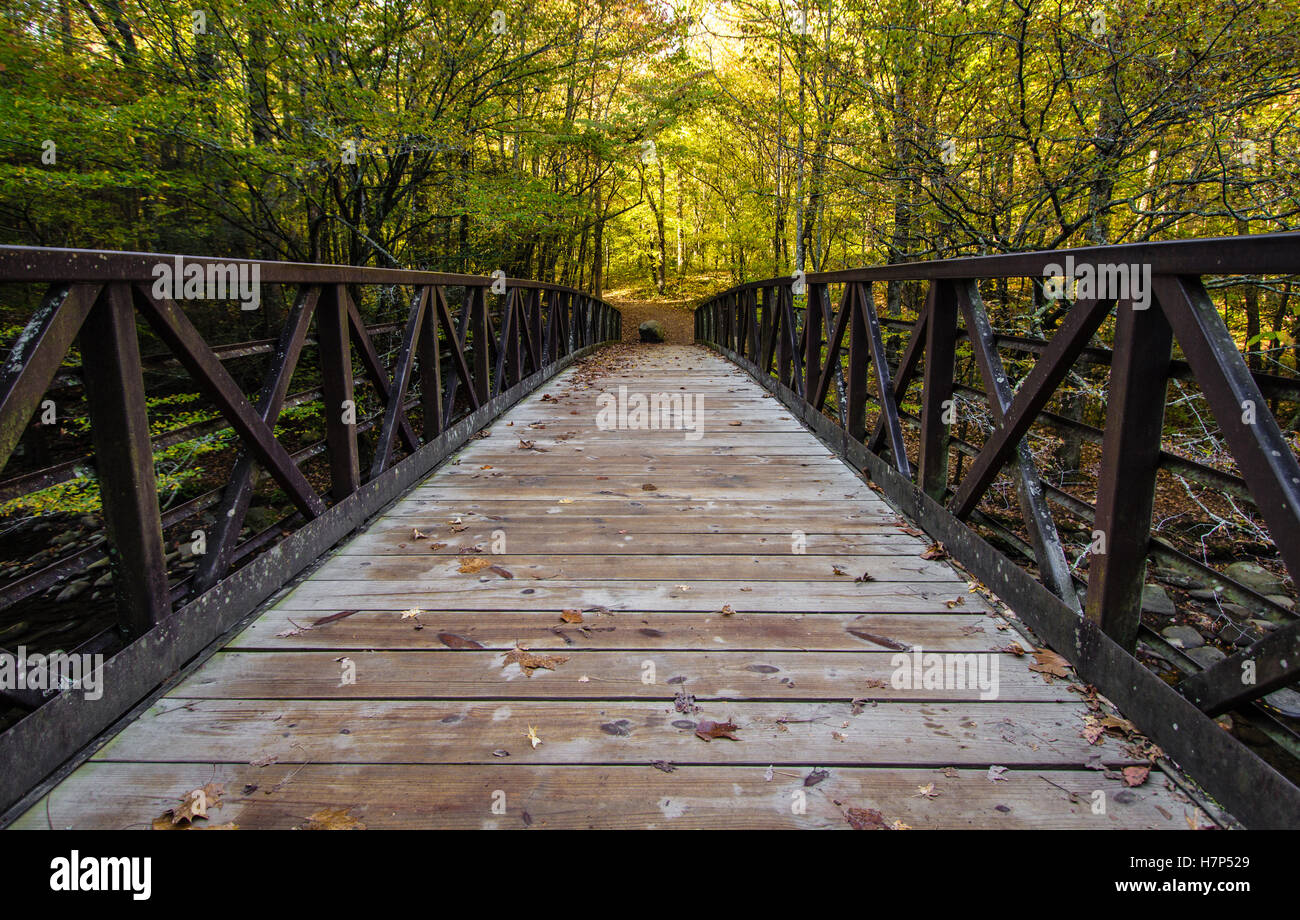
[
  {"x": 866, "y": 819},
  {"x": 194, "y": 804},
  {"x": 1136, "y": 776},
  {"x": 708, "y": 730},
  {"x": 473, "y": 565},
  {"x": 451, "y": 640},
  {"x": 530, "y": 662},
  {"x": 571, "y": 615},
  {"x": 649, "y": 487},
  {"x": 1050, "y": 664},
  {"x": 726, "y": 610},
  {"x": 332, "y": 819},
  {"x": 935, "y": 551}
]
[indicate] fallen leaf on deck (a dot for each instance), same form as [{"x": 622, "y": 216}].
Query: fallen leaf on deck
[
  {"x": 649, "y": 487},
  {"x": 571, "y": 615},
  {"x": 1050, "y": 664},
  {"x": 815, "y": 777},
  {"x": 955, "y": 602},
  {"x": 925, "y": 792},
  {"x": 880, "y": 640},
  {"x": 708, "y": 730},
  {"x": 995, "y": 774},
  {"x": 332, "y": 819},
  {"x": 726, "y": 610},
  {"x": 864, "y": 578},
  {"x": 504, "y": 573},
  {"x": 530, "y": 662},
  {"x": 472, "y": 566},
  {"x": 1136, "y": 776},
  {"x": 417, "y": 535},
  {"x": 532, "y": 737},
  {"x": 451, "y": 640},
  {"x": 1013, "y": 649},
  {"x": 342, "y": 614},
  {"x": 194, "y": 804},
  {"x": 866, "y": 819},
  {"x": 935, "y": 551}
]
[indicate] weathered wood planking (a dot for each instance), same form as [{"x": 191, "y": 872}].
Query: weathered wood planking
[
  {"x": 712, "y": 596},
  {"x": 596, "y": 675},
  {"x": 689, "y": 568},
  {"x": 413, "y": 796},
  {"x": 651, "y": 631},
  {"x": 610, "y": 731}
]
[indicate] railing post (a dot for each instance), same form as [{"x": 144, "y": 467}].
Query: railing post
[
  {"x": 785, "y": 333},
  {"x": 478, "y": 323},
  {"x": 859, "y": 355},
  {"x": 1130, "y": 457},
  {"x": 812, "y": 349},
  {"x": 937, "y": 397},
  {"x": 570, "y": 324},
  {"x": 430, "y": 354},
  {"x": 336, "y": 389},
  {"x": 119, "y": 426}
]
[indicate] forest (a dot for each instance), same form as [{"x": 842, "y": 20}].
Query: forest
[{"x": 589, "y": 141}]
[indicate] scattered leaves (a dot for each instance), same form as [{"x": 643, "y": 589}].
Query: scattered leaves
[{"x": 571, "y": 615}]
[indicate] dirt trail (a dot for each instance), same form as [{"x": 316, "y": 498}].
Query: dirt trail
[{"x": 676, "y": 315}]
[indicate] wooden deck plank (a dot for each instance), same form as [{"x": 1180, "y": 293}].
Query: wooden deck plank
[
  {"x": 612, "y": 731},
  {"x": 596, "y": 675},
  {"x": 674, "y": 567},
  {"x": 403, "y": 796},
  {"x": 652, "y": 630},
  {"x": 742, "y": 596}
]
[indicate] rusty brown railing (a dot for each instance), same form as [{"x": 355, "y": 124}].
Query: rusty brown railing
[
  {"x": 791, "y": 336},
  {"x": 453, "y": 352}
]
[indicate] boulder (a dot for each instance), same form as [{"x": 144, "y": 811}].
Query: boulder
[
  {"x": 651, "y": 331},
  {"x": 1206, "y": 655},
  {"x": 1156, "y": 601},
  {"x": 1185, "y": 637},
  {"x": 1256, "y": 577},
  {"x": 1285, "y": 701}
]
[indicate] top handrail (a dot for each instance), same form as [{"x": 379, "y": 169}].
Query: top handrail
[
  {"x": 49, "y": 264},
  {"x": 1263, "y": 253}
]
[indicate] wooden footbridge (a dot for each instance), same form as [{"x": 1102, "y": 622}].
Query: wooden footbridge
[{"x": 524, "y": 576}]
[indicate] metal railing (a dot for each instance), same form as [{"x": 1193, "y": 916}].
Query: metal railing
[
  {"x": 462, "y": 349},
  {"x": 790, "y": 335}
]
